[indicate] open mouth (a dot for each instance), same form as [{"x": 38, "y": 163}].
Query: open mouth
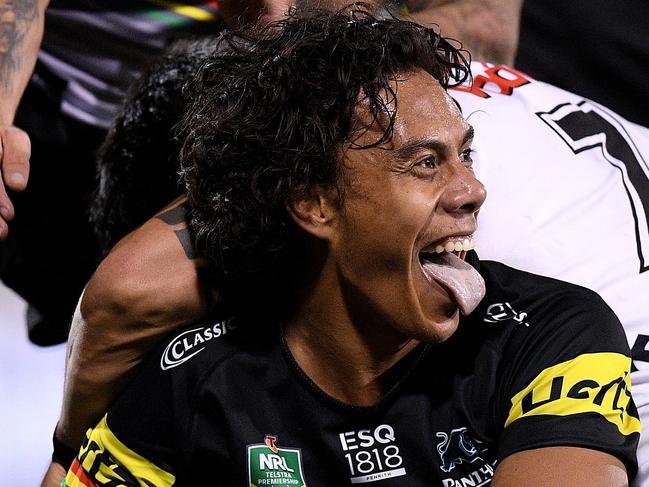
[
  {"x": 437, "y": 253},
  {"x": 443, "y": 264}
]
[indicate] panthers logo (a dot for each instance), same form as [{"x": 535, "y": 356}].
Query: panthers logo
[{"x": 456, "y": 448}]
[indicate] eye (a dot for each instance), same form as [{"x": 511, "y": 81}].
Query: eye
[
  {"x": 467, "y": 158},
  {"x": 429, "y": 162}
]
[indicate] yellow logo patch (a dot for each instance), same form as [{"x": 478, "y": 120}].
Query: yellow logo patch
[{"x": 590, "y": 383}]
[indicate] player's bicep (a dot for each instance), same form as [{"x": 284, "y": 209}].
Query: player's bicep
[{"x": 560, "y": 466}]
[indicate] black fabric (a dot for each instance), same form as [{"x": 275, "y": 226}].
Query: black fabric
[
  {"x": 51, "y": 250},
  {"x": 201, "y": 402},
  {"x": 595, "y": 48},
  {"x": 62, "y": 453},
  {"x": 100, "y": 46}
]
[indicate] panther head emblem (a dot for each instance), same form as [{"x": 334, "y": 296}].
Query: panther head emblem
[{"x": 455, "y": 448}]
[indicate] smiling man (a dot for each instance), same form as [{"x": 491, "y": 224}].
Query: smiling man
[{"x": 329, "y": 176}]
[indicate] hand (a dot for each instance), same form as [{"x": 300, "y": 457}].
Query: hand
[{"x": 15, "y": 150}]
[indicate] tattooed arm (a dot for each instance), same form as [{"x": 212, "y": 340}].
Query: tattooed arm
[
  {"x": 237, "y": 13},
  {"x": 147, "y": 286},
  {"x": 21, "y": 30},
  {"x": 488, "y": 29}
]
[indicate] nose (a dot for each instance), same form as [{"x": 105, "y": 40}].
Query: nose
[{"x": 464, "y": 193}]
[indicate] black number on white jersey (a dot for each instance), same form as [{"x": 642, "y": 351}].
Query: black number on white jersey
[{"x": 585, "y": 126}]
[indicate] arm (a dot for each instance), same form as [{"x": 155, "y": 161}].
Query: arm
[
  {"x": 560, "y": 466},
  {"x": 147, "y": 286},
  {"x": 237, "y": 13},
  {"x": 487, "y": 29},
  {"x": 567, "y": 410},
  {"x": 21, "y": 30}
]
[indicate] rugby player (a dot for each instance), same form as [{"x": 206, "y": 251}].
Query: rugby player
[{"x": 339, "y": 197}]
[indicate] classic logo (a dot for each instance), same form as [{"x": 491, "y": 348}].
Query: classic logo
[
  {"x": 456, "y": 448},
  {"x": 502, "y": 312},
  {"x": 269, "y": 464},
  {"x": 192, "y": 342}
]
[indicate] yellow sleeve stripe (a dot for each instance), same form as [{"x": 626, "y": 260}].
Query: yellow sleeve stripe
[
  {"x": 195, "y": 13},
  {"x": 590, "y": 383},
  {"x": 105, "y": 459}
]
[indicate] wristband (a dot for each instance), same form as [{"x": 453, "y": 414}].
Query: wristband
[{"x": 62, "y": 454}]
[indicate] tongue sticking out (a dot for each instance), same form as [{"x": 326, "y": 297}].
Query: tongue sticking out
[{"x": 460, "y": 279}]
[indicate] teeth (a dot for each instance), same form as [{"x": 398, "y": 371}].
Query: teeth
[{"x": 455, "y": 246}]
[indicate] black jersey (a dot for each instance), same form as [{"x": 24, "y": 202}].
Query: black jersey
[
  {"x": 100, "y": 47},
  {"x": 539, "y": 363}
]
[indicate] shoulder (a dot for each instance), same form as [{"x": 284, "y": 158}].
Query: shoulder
[
  {"x": 185, "y": 359},
  {"x": 501, "y": 86},
  {"x": 197, "y": 347},
  {"x": 150, "y": 426},
  {"x": 176, "y": 366},
  {"x": 540, "y": 321},
  {"x": 564, "y": 366},
  {"x": 545, "y": 320},
  {"x": 551, "y": 299},
  {"x": 505, "y": 279},
  {"x": 169, "y": 382}
]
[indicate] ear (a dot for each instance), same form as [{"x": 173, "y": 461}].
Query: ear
[{"x": 315, "y": 212}]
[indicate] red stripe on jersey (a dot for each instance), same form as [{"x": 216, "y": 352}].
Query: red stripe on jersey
[{"x": 77, "y": 470}]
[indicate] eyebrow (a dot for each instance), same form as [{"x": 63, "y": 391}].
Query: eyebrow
[{"x": 411, "y": 148}]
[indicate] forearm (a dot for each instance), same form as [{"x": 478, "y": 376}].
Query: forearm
[
  {"x": 237, "y": 13},
  {"x": 101, "y": 356},
  {"x": 21, "y": 31},
  {"x": 104, "y": 349},
  {"x": 54, "y": 476},
  {"x": 487, "y": 29}
]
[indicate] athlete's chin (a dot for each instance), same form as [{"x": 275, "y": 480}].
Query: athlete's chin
[
  {"x": 440, "y": 315},
  {"x": 440, "y": 329}
]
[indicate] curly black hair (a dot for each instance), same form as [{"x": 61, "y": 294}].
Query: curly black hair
[
  {"x": 137, "y": 164},
  {"x": 271, "y": 112}
]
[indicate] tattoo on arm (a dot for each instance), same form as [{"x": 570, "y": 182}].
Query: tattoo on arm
[
  {"x": 488, "y": 29},
  {"x": 176, "y": 216},
  {"x": 16, "y": 18},
  {"x": 209, "y": 279}
]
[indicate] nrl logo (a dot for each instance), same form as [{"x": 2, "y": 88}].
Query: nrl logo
[
  {"x": 269, "y": 441},
  {"x": 269, "y": 464}
]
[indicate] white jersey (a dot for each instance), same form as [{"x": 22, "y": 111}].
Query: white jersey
[{"x": 568, "y": 197}]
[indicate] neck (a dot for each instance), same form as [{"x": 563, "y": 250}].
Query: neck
[{"x": 347, "y": 357}]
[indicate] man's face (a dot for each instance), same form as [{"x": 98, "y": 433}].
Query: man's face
[{"x": 402, "y": 202}]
